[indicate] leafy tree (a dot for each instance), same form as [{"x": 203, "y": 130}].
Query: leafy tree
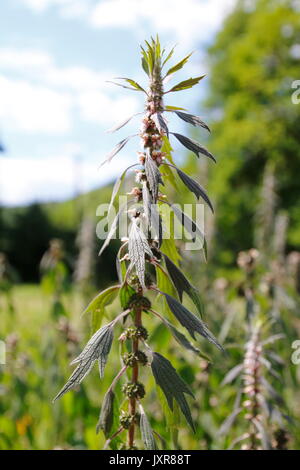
[{"x": 254, "y": 63}]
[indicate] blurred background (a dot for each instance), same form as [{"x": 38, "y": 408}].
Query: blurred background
[{"x": 56, "y": 57}]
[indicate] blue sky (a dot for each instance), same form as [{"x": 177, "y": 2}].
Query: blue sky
[{"x": 55, "y": 103}]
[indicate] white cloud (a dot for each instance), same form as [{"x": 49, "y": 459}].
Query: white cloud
[
  {"x": 52, "y": 178},
  {"x": 185, "y": 21},
  {"x": 41, "y": 96},
  {"x": 32, "y": 108},
  {"x": 188, "y": 21}
]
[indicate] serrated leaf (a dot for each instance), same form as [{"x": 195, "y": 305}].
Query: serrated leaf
[
  {"x": 146, "y": 431},
  {"x": 192, "y": 119},
  {"x": 107, "y": 413},
  {"x": 189, "y": 321},
  {"x": 97, "y": 348},
  {"x": 194, "y": 146},
  {"x": 116, "y": 150},
  {"x": 126, "y": 292},
  {"x": 186, "y": 84},
  {"x": 153, "y": 176},
  {"x": 182, "y": 284},
  {"x": 182, "y": 339},
  {"x": 138, "y": 247},
  {"x": 193, "y": 186},
  {"x": 178, "y": 66},
  {"x": 172, "y": 385}
]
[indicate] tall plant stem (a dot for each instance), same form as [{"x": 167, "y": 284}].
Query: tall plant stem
[{"x": 135, "y": 376}]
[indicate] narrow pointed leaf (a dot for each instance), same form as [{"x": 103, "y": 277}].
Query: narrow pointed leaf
[
  {"x": 193, "y": 186},
  {"x": 133, "y": 83},
  {"x": 146, "y": 431},
  {"x": 160, "y": 123},
  {"x": 192, "y": 119},
  {"x": 153, "y": 176},
  {"x": 114, "y": 226},
  {"x": 122, "y": 123},
  {"x": 116, "y": 150},
  {"x": 172, "y": 385},
  {"x": 107, "y": 414},
  {"x": 183, "y": 285},
  {"x": 192, "y": 323},
  {"x": 233, "y": 374},
  {"x": 178, "y": 66},
  {"x": 186, "y": 84},
  {"x": 194, "y": 146}
]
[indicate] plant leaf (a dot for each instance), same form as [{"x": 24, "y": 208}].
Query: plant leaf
[
  {"x": 194, "y": 146},
  {"x": 138, "y": 247},
  {"x": 160, "y": 123},
  {"x": 133, "y": 83},
  {"x": 174, "y": 108},
  {"x": 98, "y": 304},
  {"x": 192, "y": 119},
  {"x": 178, "y": 66},
  {"x": 146, "y": 431},
  {"x": 116, "y": 150},
  {"x": 114, "y": 226},
  {"x": 192, "y": 185},
  {"x": 229, "y": 421},
  {"x": 183, "y": 285},
  {"x": 190, "y": 226},
  {"x": 172, "y": 385},
  {"x": 192, "y": 323},
  {"x": 122, "y": 123},
  {"x": 126, "y": 292},
  {"x": 116, "y": 188},
  {"x": 153, "y": 176},
  {"x": 182, "y": 339},
  {"x": 186, "y": 84},
  {"x": 107, "y": 413},
  {"x": 97, "y": 348},
  {"x": 232, "y": 374}
]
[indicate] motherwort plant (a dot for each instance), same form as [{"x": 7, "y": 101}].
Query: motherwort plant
[{"x": 147, "y": 264}]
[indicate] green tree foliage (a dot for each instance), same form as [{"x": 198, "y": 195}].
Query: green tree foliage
[{"x": 254, "y": 62}]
